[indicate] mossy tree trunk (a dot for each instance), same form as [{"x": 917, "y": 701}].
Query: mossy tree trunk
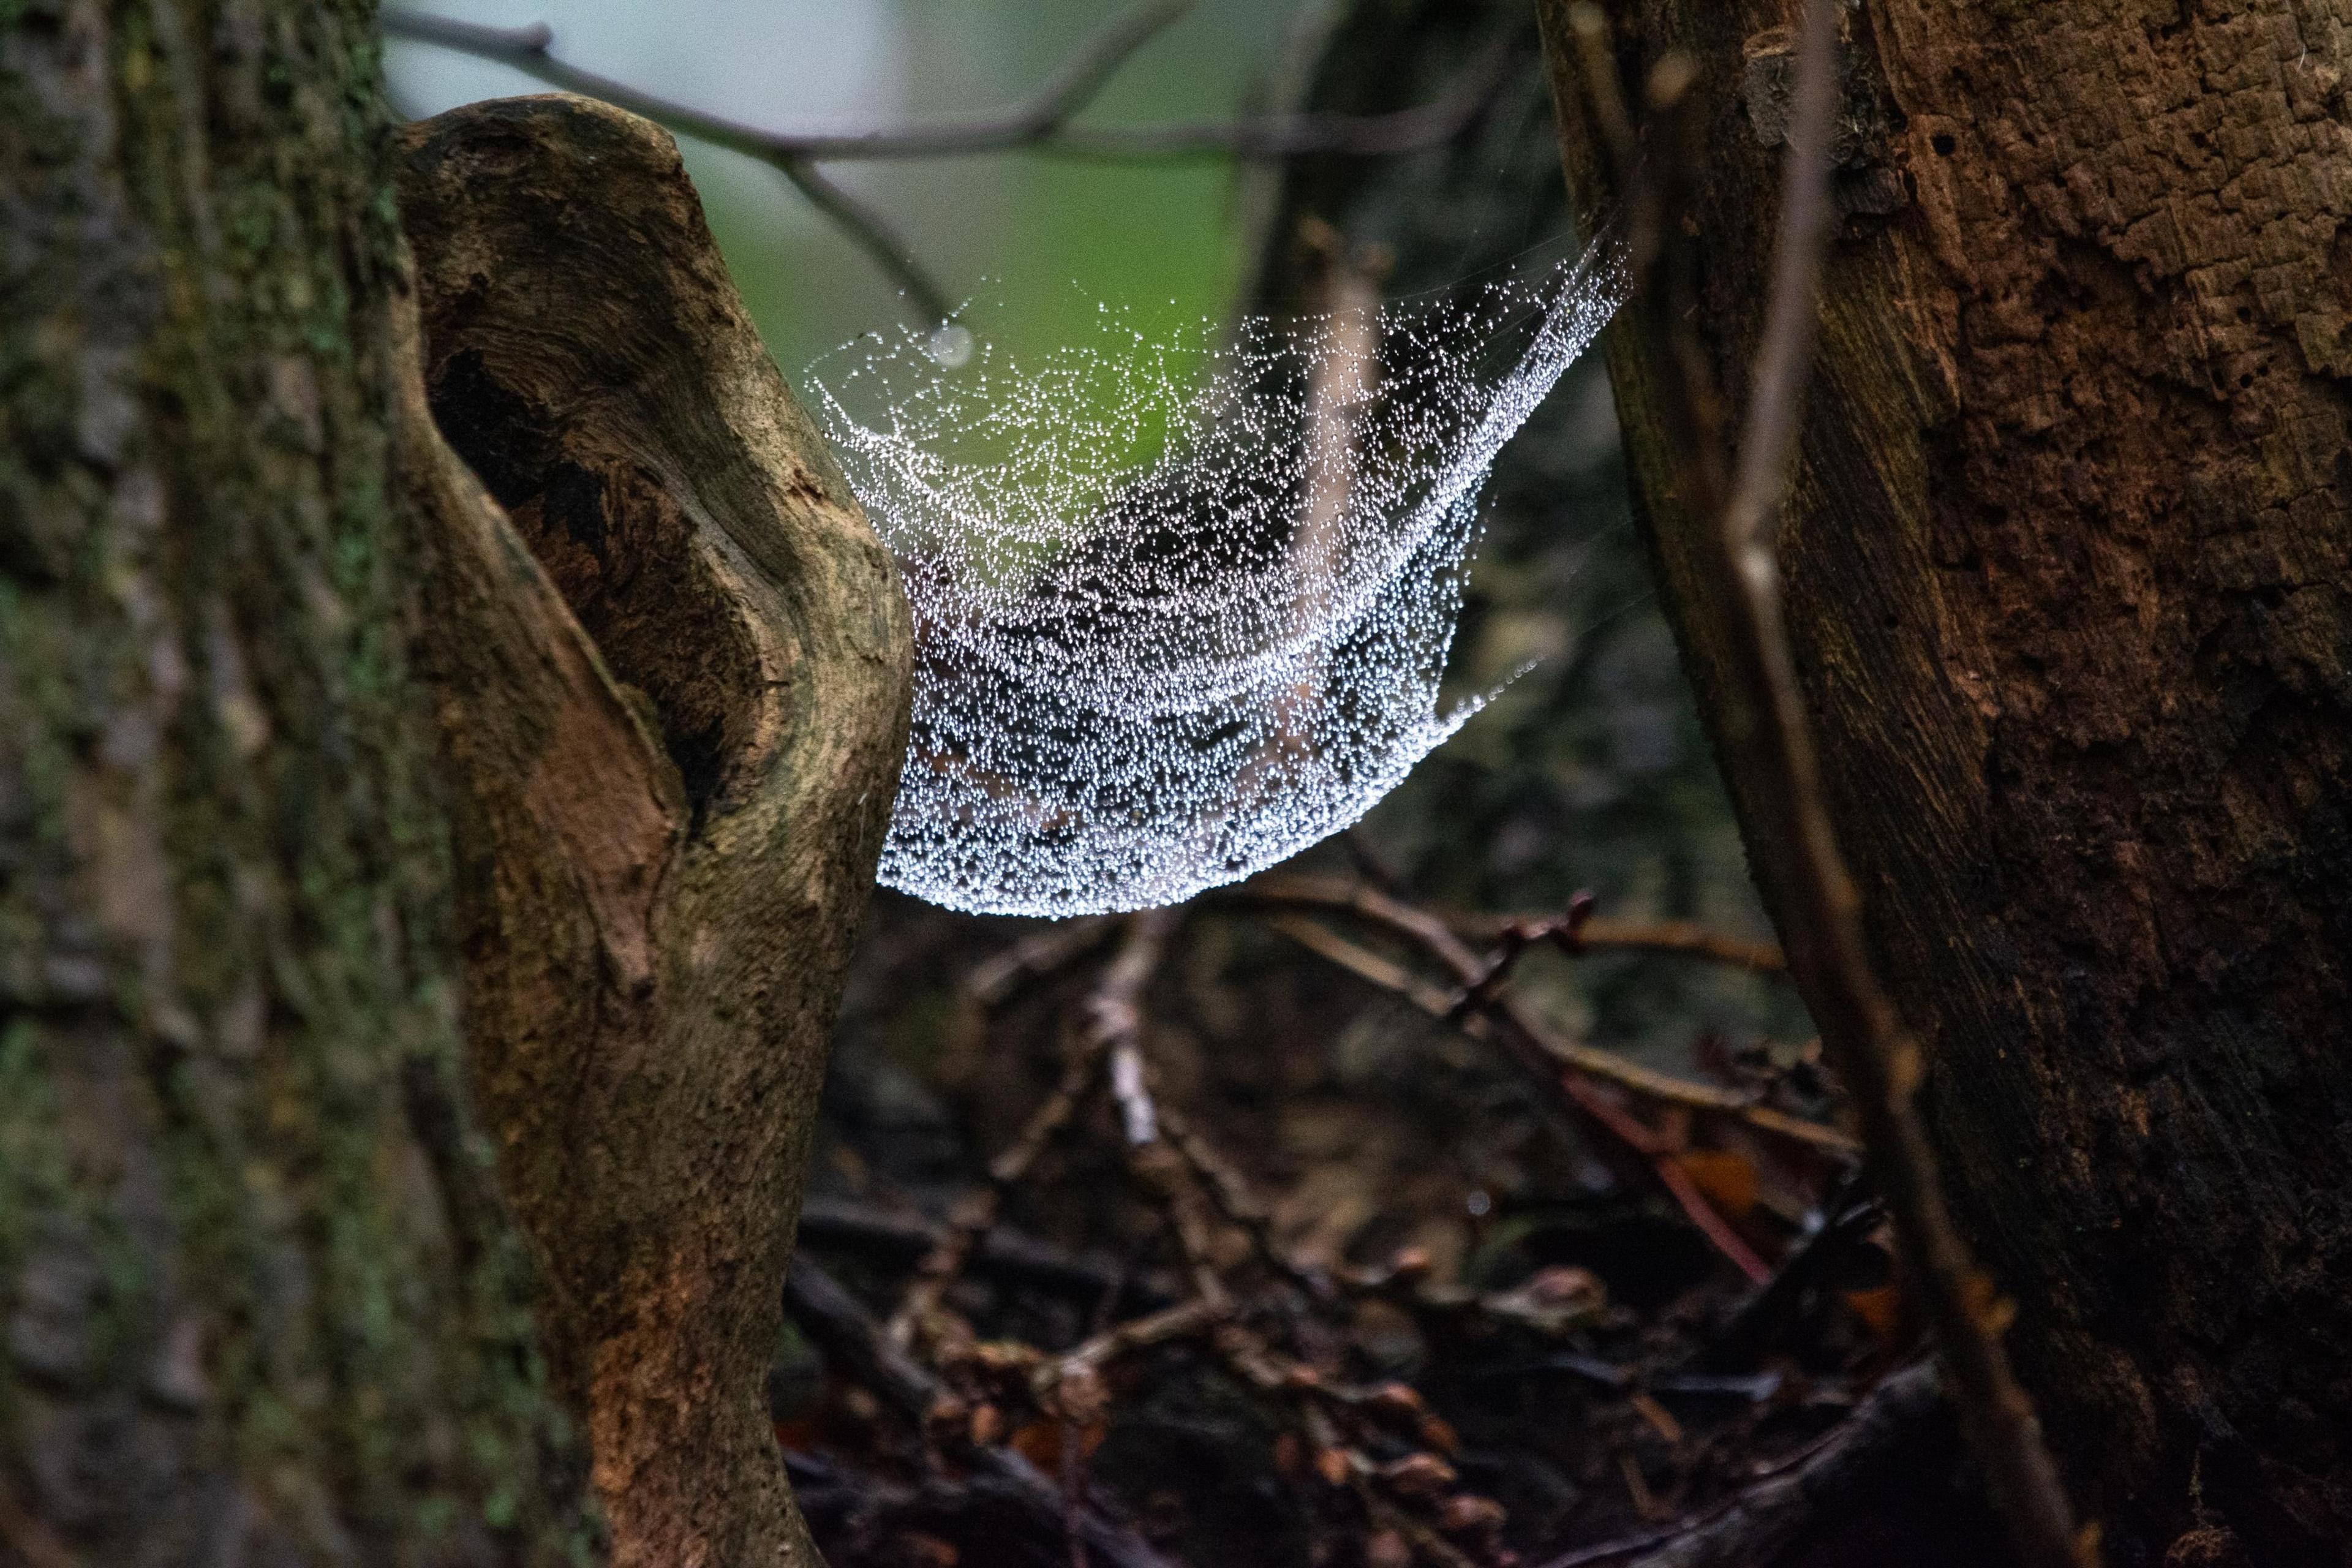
[
  {"x": 259, "y": 1304},
  {"x": 2070, "y": 577},
  {"x": 358, "y": 865}
]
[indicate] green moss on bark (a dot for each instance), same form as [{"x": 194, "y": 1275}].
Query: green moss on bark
[{"x": 255, "y": 1287}]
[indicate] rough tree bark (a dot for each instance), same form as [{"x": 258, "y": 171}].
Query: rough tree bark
[
  {"x": 2070, "y": 574},
  {"x": 258, "y": 1302},
  {"x": 310, "y": 749}
]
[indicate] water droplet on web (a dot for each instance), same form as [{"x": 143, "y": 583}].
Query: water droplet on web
[
  {"x": 1182, "y": 605},
  {"x": 949, "y": 345}
]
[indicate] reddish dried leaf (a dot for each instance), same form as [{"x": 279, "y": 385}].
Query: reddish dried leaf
[
  {"x": 1881, "y": 1311},
  {"x": 1726, "y": 1180}
]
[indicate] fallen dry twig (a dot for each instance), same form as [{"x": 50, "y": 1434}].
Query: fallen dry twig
[
  {"x": 852, "y": 1340},
  {"x": 1111, "y": 1020},
  {"x": 1762, "y": 1518},
  {"x": 1434, "y": 936}
]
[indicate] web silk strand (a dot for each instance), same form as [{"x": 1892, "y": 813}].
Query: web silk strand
[{"x": 1182, "y": 609}]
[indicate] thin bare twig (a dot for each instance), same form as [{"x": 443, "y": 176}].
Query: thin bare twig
[
  {"x": 1680, "y": 938},
  {"x": 1111, "y": 1021},
  {"x": 1634, "y": 1135},
  {"x": 1841, "y": 1228},
  {"x": 1139, "y": 1115},
  {"x": 1521, "y": 1031},
  {"x": 1040, "y": 956},
  {"x": 1185, "y": 1179},
  {"x": 1432, "y": 935},
  {"x": 1112, "y": 1016},
  {"x": 907, "y": 1239},
  {"x": 999, "y": 978},
  {"x": 872, "y": 233},
  {"x": 1512, "y": 942},
  {"x": 1283, "y": 136},
  {"x": 1405, "y": 1282},
  {"x": 1596, "y": 933},
  {"x": 1234, "y": 1200},
  {"x": 1041, "y": 122},
  {"x": 1755, "y": 1525},
  {"x": 1160, "y": 1172},
  {"x": 1026, "y": 123},
  {"x": 1186, "y": 1320},
  {"x": 1770, "y": 741}
]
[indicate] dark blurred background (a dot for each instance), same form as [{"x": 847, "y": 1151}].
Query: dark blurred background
[{"x": 1368, "y": 1128}]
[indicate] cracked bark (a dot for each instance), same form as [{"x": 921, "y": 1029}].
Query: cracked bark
[{"x": 2070, "y": 576}]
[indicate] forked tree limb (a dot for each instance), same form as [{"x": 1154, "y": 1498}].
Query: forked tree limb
[
  {"x": 1434, "y": 936},
  {"x": 672, "y": 663},
  {"x": 1041, "y": 122}
]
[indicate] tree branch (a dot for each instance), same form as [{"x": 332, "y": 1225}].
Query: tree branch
[
  {"x": 1482, "y": 1025},
  {"x": 1433, "y": 936},
  {"x": 1041, "y": 122},
  {"x": 1681, "y": 938},
  {"x": 1110, "y": 1023},
  {"x": 1034, "y": 119},
  {"x": 1283, "y": 136},
  {"x": 907, "y": 1238},
  {"x": 872, "y": 233}
]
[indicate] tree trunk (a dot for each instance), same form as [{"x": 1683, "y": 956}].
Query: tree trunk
[
  {"x": 260, "y": 1304},
  {"x": 311, "y": 748},
  {"x": 2070, "y": 576}
]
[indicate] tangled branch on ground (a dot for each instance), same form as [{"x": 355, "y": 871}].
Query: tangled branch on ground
[{"x": 1719, "y": 1415}]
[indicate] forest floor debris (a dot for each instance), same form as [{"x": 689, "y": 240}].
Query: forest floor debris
[{"x": 1174, "y": 1283}]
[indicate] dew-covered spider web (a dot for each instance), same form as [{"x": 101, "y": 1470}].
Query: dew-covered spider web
[{"x": 1181, "y": 609}]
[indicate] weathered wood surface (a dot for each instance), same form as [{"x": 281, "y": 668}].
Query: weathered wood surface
[{"x": 674, "y": 694}]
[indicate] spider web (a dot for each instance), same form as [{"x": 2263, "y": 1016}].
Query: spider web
[{"x": 1181, "y": 609}]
